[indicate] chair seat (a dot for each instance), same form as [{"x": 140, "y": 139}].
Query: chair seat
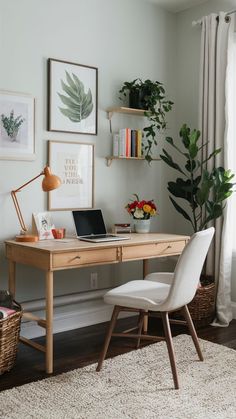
[{"x": 144, "y": 294}]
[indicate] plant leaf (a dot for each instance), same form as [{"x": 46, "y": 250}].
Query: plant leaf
[
  {"x": 168, "y": 160},
  {"x": 79, "y": 104},
  {"x": 180, "y": 210}
]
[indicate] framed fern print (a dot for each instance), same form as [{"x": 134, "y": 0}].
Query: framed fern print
[{"x": 72, "y": 97}]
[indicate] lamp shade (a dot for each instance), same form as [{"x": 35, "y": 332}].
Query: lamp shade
[{"x": 50, "y": 181}]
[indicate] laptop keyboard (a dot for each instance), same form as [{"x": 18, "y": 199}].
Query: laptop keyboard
[{"x": 98, "y": 236}]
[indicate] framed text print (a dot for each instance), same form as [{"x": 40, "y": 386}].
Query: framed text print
[
  {"x": 72, "y": 98},
  {"x": 73, "y": 163},
  {"x": 16, "y": 126}
]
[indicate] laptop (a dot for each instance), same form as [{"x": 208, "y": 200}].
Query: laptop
[{"x": 90, "y": 227}]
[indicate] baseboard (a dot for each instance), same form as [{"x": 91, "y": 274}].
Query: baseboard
[
  {"x": 73, "y": 312},
  {"x": 233, "y": 304},
  {"x": 73, "y": 315},
  {"x": 81, "y": 317}
]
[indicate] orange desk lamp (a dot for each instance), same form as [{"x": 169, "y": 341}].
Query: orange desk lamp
[{"x": 49, "y": 183}]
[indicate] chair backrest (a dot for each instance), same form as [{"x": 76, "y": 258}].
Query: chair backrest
[{"x": 188, "y": 270}]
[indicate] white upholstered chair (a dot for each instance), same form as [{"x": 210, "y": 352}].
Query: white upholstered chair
[{"x": 163, "y": 293}]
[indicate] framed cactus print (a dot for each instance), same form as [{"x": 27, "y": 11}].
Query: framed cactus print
[
  {"x": 17, "y": 129},
  {"x": 72, "y": 97}
]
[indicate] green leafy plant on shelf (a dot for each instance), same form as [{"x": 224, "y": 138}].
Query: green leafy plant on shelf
[
  {"x": 12, "y": 124},
  {"x": 204, "y": 191},
  {"x": 79, "y": 104},
  {"x": 150, "y": 96}
]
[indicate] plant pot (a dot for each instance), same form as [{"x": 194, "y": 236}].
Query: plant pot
[
  {"x": 135, "y": 99},
  {"x": 202, "y": 306},
  {"x": 142, "y": 226},
  {"x": 145, "y": 95}
]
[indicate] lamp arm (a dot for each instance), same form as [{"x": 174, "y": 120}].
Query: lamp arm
[
  {"x": 27, "y": 183},
  {"x": 18, "y": 211},
  {"x": 16, "y": 203}
]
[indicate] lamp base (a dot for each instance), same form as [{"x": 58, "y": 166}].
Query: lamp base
[{"x": 26, "y": 238}]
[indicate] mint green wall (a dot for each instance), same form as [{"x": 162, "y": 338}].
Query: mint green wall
[{"x": 125, "y": 40}]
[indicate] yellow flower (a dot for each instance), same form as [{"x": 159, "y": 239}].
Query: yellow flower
[
  {"x": 147, "y": 208},
  {"x": 152, "y": 212}
]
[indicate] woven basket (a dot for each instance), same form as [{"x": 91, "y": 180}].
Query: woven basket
[
  {"x": 202, "y": 307},
  {"x": 9, "y": 338}
]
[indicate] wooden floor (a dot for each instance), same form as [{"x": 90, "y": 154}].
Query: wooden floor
[{"x": 77, "y": 348}]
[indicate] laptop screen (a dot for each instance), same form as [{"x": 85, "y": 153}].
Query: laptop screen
[{"x": 89, "y": 222}]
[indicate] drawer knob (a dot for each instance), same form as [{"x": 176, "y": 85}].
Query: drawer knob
[
  {"x": 77, "y": 257},
  {"x": 169, "y": 247}
]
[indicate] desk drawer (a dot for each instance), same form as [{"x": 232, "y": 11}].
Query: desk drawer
[
  {"x": 145, "y": 251},
  {"x": 73, "y": 259}
]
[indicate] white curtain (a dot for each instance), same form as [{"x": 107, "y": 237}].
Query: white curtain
[{"x": 216, "y": 106}]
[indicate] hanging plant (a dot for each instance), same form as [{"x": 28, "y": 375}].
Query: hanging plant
[{"x": 150, "y": 96}]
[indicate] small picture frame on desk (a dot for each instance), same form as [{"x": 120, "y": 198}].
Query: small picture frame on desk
[{"x": 43, "y": 225}]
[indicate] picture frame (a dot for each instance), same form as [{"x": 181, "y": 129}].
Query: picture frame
[
  {"x": 72, "y": 97},
  {"x": 43, "y": 225},
  {"x": 73, "y": 162},
  {"x": 17, "y": 126}
]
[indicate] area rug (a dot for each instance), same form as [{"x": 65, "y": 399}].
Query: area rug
[{"x": 136, "y": 385}]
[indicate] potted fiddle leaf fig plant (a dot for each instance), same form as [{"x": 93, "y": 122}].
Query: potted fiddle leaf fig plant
[
  {"x": 205, "y": 193},
  {"x": 151, "y": 97}
]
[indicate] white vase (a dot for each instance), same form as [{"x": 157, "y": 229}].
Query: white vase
[{"x": 142, "y": 226}]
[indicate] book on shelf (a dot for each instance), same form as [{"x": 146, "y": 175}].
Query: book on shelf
[
  {"x": 127, "y": 143},
  {"x": 115, "y": 144},
  {"x": 122, "y": 142},
  {"x": 139, "y": 143},
  {"x": 133, "y": 143}
]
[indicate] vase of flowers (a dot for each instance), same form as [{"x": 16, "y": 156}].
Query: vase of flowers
[
  {"x": 142, "y": 226},
  {"x": 141, "y": 211}
]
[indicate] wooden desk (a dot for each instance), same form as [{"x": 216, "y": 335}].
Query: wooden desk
[{"x": 57, "y": 255}]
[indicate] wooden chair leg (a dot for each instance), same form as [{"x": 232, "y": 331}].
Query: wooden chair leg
[
  {"x": 192, "y": 331},
  {"x": 108, "y": 336},
  {"x": 169, "y": 343},
  {"x": 140, "y": 326}
]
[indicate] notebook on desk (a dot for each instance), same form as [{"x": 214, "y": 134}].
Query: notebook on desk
[{"x": 90, "y": 226}]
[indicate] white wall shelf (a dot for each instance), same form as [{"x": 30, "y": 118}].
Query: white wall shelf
[
  {"x": 123, "y": 109},
  {"x": 129, "y": 111},
  {"x": 111, "y": 158}
]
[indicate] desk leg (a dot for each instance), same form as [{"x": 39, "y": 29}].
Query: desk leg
[
  {"x": 145, "y": 272},
  {"x": 12, "y": 278},
  {"x": 49, "y": 322}
]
